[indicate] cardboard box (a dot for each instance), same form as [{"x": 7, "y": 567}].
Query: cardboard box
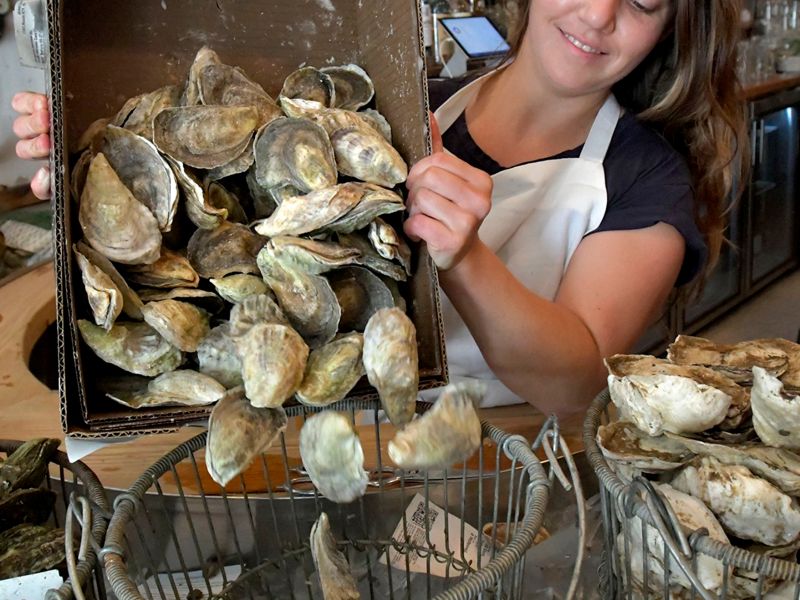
[{"x": 102, "y": 53}]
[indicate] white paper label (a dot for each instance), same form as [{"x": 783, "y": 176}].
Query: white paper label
[
  {"x": 416, "y": 514},
  {"x": 30, "y": 587},
  {"x": 30, "y": 30}
]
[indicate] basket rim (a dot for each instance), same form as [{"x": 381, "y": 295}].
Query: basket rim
[
  {"x": 515, "y": 447},
  {"x": 698, "y": 539},
  {"x": 96, "y": 494}
]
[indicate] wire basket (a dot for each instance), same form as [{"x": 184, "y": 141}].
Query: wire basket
[
  {"x": 75, "y": 484},
  {"x": 768, "y": 577},
  {"x": 449, "y": 534}
]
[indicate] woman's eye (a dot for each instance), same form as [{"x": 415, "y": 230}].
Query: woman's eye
[{"x": 641, "y": 7}]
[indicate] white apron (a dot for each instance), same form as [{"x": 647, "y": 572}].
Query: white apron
[{"x": 540, "y": 212}]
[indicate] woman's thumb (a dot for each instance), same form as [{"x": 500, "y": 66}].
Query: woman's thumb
[{"x": 436, "y": 137}]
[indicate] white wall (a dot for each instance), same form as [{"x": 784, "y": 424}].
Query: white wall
[{"x": 13, "y": 77}]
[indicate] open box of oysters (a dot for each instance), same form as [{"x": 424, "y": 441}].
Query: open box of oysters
[
  {"x": 716, "y": 429},
  {"x": 208, "y": 152}
]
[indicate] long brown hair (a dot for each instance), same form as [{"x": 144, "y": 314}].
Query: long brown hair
[{"x": 688, "y": 89}]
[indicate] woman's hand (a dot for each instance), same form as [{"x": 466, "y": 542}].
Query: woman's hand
[
  {"x": 447, "y": 202},
  {"x": 32, "y": 128}
]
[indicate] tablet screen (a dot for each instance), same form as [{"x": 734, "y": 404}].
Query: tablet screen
[{"x": 477, "y": 36}]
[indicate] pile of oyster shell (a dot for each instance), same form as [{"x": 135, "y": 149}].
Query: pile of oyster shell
[
  {"x": 235, "y": 252},
  {"x": 717, "y": 427}
]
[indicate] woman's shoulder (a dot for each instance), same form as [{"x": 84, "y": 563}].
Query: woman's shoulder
[{"x": 639, "y": 148}]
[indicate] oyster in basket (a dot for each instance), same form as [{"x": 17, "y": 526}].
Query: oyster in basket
[
  {"x": 229, "y": 248},
  {"x": 392, "y": 362},
  {"x": 105, "y": 298},
  {"x": 114, "y": 222},
  {"x": 224, "y": 85},
  {"x": 199, "y": 209},
  {"x": 389, "y": 244},
  {"x": 169, "y": 271},
  {"x": 360, "y": 294},
  {"x": 332, "y": 371},
  {"x": 448, "y": 433},
  {"x": 237, "y": 433},
  {"x": 204, "y": 57},
  {"x": 26, "y": 466},
  {"x": 26, "y": 549},
  {"x": 273, "y": 362},
  {"x": 333, "y": 457},
  {"x": 747, "y": 506},
  {"x": 658, "y": 396},
  {"x": 311, "y": 256},
  {"x": 260, "y": 308},
  {"x": 217, "y": 357},
  {"x": 776, "y": 412},
  {"x": 183, "y": 387},
  {"x": 137, "y": 114},
  {"x": 353, "y": 87},
  {"x": 310, "y": 84},
  {"x": 237, "y": 287},
  {"x": 334, "y": 572},
  {"x": 180, "y": 323}
]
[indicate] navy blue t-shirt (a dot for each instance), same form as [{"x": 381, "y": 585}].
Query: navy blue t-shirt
[{"x": 647, "y": 181}]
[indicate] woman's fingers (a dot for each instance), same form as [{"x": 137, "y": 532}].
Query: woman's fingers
[
  {"x": 38, "y": 147},
  {"x": 29, "y": 102},
  {"x": 436, "y": 136},
  {"x": 29, "y": 126},
  {"x": 40, "y": 184}
]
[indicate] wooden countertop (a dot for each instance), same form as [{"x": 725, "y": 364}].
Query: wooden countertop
[
  {"x": 776, "y": 83},
  {"x": 30, "y": 409}
]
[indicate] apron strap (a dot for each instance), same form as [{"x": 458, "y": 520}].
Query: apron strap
[{"x": 602, "y": 129}]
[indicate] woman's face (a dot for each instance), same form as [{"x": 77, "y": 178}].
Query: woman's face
[{"x": 586, "y": 46}]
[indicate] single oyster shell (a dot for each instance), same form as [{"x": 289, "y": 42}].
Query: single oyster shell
[
  {"x": 139, "y": 166},
  {"x": 183, "y": 387},
  {"x": 198, "y": 208},
  {"x": 747, "y": 506},
  {"x": 375, "y": 201},
  {"x": 389, "y": 244},
  {"x": 295, "y": 152},
  {"x": 205, "y": 136},
  {"x": 92, "y": 138},
  {"x": 273, "y": 361},
  {"x": 169, "y": 271},
  {"x": 238, "y": 286},
  {"x": 333, "y": 457},
  {"x": 181, "y": 324},
  {"x": 370, "y": 258},
  {"x": 255, "y": 309},
  {"x": 624, "y": 445},
  {"x": 208, "y": 301},
  {"x": 375, "y": 119},
  {"x": 204, "y": 57},
  {"x": 360, "y": 294},
  {"x": 137, "y": 114},
  {"x": 733, "y": 360},
  {"x": 309, "y": 83},
  {"x": 658, "y": 396},
  {"x": 448, "y": 433},
  {"x": 77, "y": 178},
  {"x": 332, "y": 370},
  {"x": 105, "y": 298},
  {"x": 225, "y": 85},
  {"x": 335, "y": 578},
  {"x": 217, "y": 357},
  {"x": 230, "y": 248},
  {"x": 27, "y": 548},
  {"x": 307, "y": 300},
  {"x": 134, "y": 347},
  {"x": 221, "y": 199},
  {"x": 237, "y": 433},
  {"x": 26, "y": 466},
  {"x": 392, "y": 363},
  {"x": 776, "y": 412},
  {"x": 352, "y": 85},
  {"x": 311, "y": 256},
  {"x": 132, "y": 304},
  {"x": 114, "y": 222},
  {"x": 692, "y": 514}
]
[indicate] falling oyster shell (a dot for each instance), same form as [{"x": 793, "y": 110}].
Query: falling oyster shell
[
  {"x": 659, "y": 396},
  {"x": 132, "y": 304},
  {"x": 114, "y": 222},
  {"x": 139, "y": 166},
  {"x": 225, "y": 85},
  {"x": 205, "y": 137},
  {"x": 307, "y": 300},
  {"x": 204, "y": 57},
  {"x": 448, "y": 433},
  {"x": 389, "y": 244},
  {"x": 180, "y": 323},
  {"x": 776, "y": 412},
  {"x": 311, "y": 84},
  {"x": 237, "y": 433},
  {"x": 392, "y": 363},
  {"x": 134, "y": 347},
  {"x": 104, "y": 296},
  {"x": 360, "y": 294},
  {"x": 353, "y": 87},
  {"x": 370, "y": 258},
  {"x": 747, "y": 506},
  {"x": 294, "y": 152},
  {"x": 692, "y": 514},
  {"x": 297, "y": 215},
  {"x": 183, "y": 387},
  {"x": 733, "y": 360},
  {"x": 333, "y": 457},
  {"x": 273, "y": 361},
  {"x": 230, "y": 248},
  {"x": 199, "y": 210},
  {"x": 137, "y": 113},
  {"x": 332, "y": 371},
  {"x": 238, "y": 286},
  {"x": 335, "y": 577},
  {"x": 169, "y": 271},
  {"x": 311, "y": 256},
  {"x": 260, "y": 308},
  {"x": 217, "y": 357}
]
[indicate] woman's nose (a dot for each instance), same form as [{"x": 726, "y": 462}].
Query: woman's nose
[{"x": 600, "y": 15}]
